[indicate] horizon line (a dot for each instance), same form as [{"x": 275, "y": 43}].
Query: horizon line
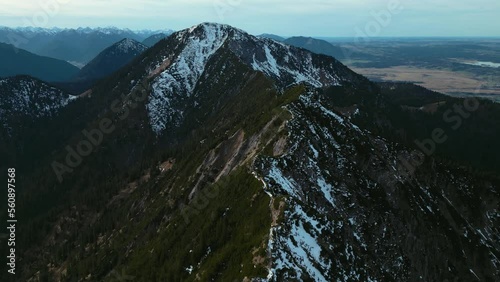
[{"x": 265, "y": 33}]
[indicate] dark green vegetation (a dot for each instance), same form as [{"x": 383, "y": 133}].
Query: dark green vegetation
[
  {"x": 219, "y": 234},
  {"x": 472, "y": 135},
  {"x": 20, "y": 62}
]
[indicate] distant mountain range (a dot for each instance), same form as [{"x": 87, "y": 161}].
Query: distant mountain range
[
  {"x": 78, "y": 46},
  {"x": 314, "y": 45},
  {"x": 272, "y": 36},
  {"x": 155, "y": 38},
  {"x": 317, "y": 46},
  {"x": 14, "y": 61},
  {"x": 17, "y": 61}
]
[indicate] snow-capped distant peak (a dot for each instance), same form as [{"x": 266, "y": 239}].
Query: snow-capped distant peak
[
  {"x": 213, "y": 26},
  {"x": 129, "y": 45}
]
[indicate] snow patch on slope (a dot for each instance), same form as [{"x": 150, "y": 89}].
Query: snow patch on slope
[
  {"x": 299, "y": 249},
  {"x": 269, "y": 66},
  {"x": 293, "y": 65},
  {"x": 29, "y": 97},
  {"x": 304, "y": 251},
  {"x": 180, "y": 79},
  {"x": 129, "y": 45}
]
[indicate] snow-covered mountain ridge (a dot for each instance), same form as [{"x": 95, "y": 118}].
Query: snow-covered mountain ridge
[
  {"x": 26, "y": 97},
  {"x": 351, "y": 207},
  {"x": 128, "y": 45},
  {"x": 181, "y": 70}
]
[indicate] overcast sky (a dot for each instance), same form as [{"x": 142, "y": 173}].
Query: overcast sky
[{"x": 327, "y": 18}]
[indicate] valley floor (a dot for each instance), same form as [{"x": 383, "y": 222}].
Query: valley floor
[{"x": 444, "y": 81}]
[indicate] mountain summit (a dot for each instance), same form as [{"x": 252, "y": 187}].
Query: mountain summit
[
  {"x": 111, "y": 59},
  {"x": 191, "y": 50}
]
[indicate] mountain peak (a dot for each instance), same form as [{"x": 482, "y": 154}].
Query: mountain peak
[
  {"x": 127, "y": 45},
  {"x": 111, "y": 59},
  {"x": 210, "y": 28},
  {"x": 210, "y": 25},
  {"x": 207, "y": 28},
  {"x": 24, "y": 96},
  {"x": 189, "y": 53}
]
